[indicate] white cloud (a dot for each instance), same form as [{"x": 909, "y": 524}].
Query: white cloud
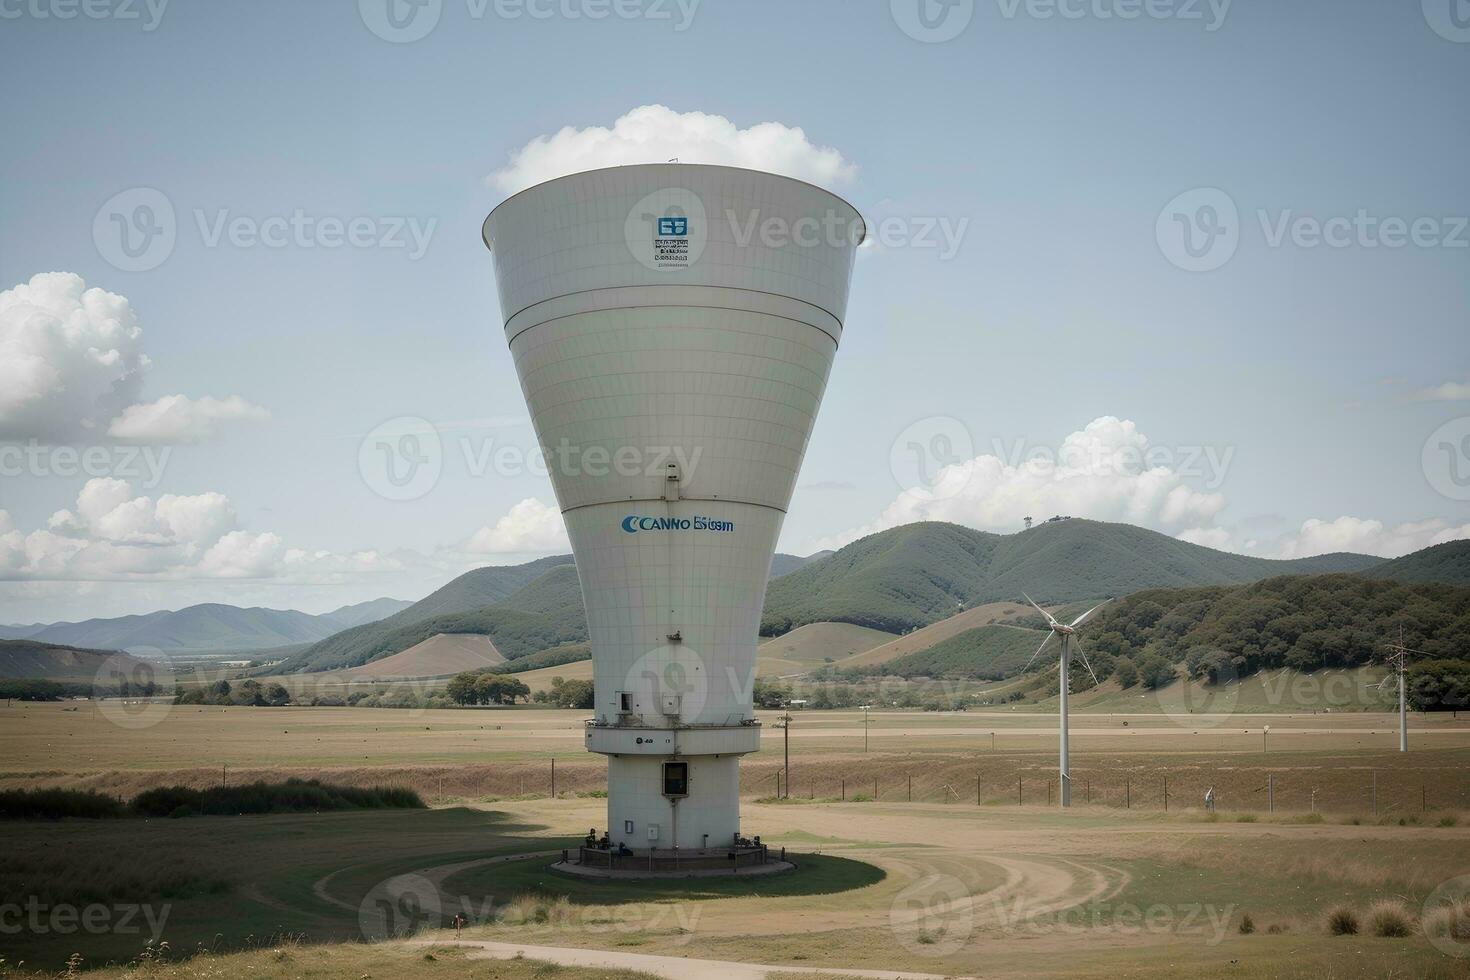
[
  {"x": 113, "y": 533},
  {"x": 656, "y": 133},
  {"x": 1450, "y": 391},
  {"x": 70, "y": 357},
  {"x": 1107, "y": 471},
  {"x": 178, "y": 418},
  {"x": 72, "y": 366},
  {"x": 1319, "y": 537},
  {"x": 530, "y": 527}
]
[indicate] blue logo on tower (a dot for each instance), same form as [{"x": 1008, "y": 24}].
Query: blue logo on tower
[
  {"x": 634, "y": 523},
  {"x": 671, "y": 241}
]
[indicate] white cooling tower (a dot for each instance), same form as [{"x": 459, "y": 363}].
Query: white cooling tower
[{"x": 672, "y": 326}]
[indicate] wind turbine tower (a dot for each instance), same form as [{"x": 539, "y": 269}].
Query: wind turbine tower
[{"x": 1067, "y": 633}]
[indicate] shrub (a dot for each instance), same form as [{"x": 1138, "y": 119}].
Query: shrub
[
  {"x": 53, "y": 804},
  {"x": 1342, "y": 920},
  {"x": 1247, "y": 924},
  {"x": 292, "y": 796},
  {"x": 1449, "y": 820},
  {"x": 1390, "y": 919}
]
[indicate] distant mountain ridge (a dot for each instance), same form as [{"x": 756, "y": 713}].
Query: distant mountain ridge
[
  {"x": 206, "y": 627},
  {"x": 894, "y": 580},
  {"x": 917, "y": 574}
]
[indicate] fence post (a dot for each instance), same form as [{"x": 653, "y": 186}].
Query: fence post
[
  {"x": 1127, "y": 794},
  {"x": 1048, "y": 792},
  {"x": 1166, "y": 794},
  {"x": 1375, "y": 792},
  {"x": 1270, "y": 793},
  {"x": 1018, "y": 791},
  {"x": 911, "y": 787},
  {"x": 1088, "y": 784},
  {"x": 977, "y": 789},
  {"x": 1423, "y": 799},
  {"x": 844, "y": 791},
  {"x": 875, "y": 791},
  {"x": 553, "y": 779}
]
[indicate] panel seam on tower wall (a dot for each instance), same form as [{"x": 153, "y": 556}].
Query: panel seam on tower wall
[{"x": 664, "y": 285}]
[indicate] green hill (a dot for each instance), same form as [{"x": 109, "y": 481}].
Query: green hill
[
  {"x": 209, "y": 626},
  {"x": 1304, "y": 623},
  {"x": 988, "y": 653},
  {"x": 1448, "y": 563},
  {"x": 917, "y": 574},
  {"x": 545, "y": 612},
  {"x": 474, "y": 590},
  {"x": 34, "y": 660}
]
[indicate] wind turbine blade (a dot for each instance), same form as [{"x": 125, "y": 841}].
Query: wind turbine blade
[
  {"x": 1078, "y": 621},
  {"x": 1037, "y": 653},
  {"x": 1043, "y": 612},
  {"x": 1086, "y": 663}
]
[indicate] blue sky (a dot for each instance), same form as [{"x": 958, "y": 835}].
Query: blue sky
[{"x": 1291, "y": 381}]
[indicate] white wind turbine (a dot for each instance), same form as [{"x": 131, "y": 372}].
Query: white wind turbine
[{"x": 1067, "y": 632}]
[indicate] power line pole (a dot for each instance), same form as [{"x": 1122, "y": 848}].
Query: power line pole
[
  {"x": 1398, "y": 659},
  {"x": 786, "y": 739}
]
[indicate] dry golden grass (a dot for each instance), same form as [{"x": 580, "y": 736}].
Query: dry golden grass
[{"x": 1389, "y": 918}]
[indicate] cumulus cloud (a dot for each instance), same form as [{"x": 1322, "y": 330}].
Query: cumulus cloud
[
  {"x": 656, "y": 133},
  {"x": 70, "y": 357},
  {"x": 1106, "y": 471},
  {"x": 1450, "y": 391},
  {"x": 114, "y": 533},
  {"x": 178, "y": 418},
  {"x": 528, "y": 528},
  {"x": 1319, "y": 537},
  {"x": 72, "y": 366}
]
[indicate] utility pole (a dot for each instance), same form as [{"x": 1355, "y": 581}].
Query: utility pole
[
  {"x": 786, "y": 740},
  {"x": 1398, "y": 658},
  {"x": 865, "y": 726}
]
